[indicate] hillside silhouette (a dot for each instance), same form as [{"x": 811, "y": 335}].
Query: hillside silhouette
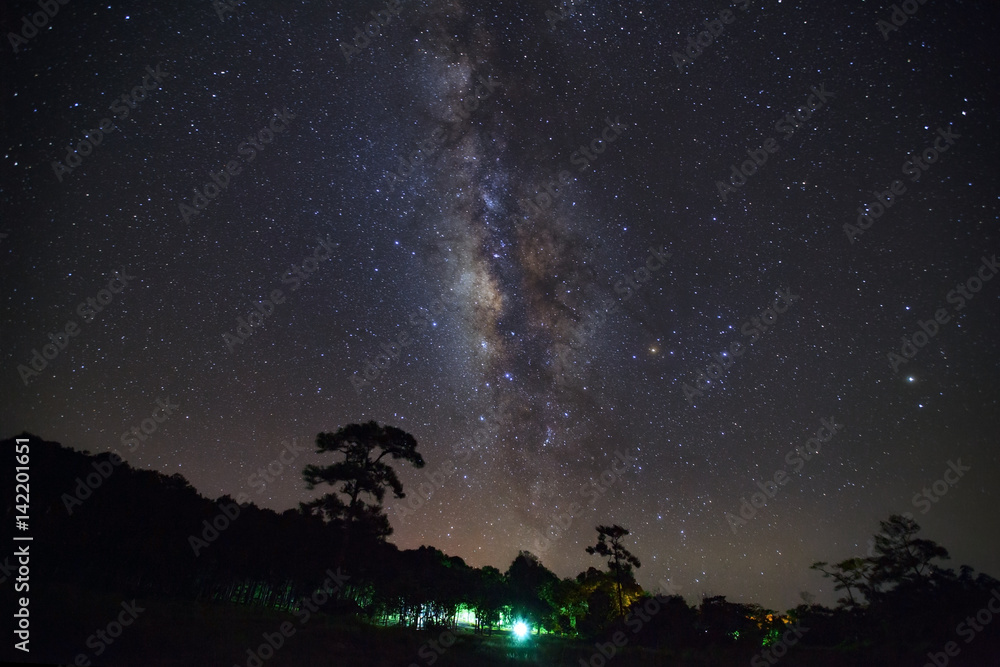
[{"x": 106, "y": 534}]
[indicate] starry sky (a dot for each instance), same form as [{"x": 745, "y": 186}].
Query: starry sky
[{"x": 518, "y": 230}]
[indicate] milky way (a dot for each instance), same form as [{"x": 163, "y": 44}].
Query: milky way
[{"x": 511, "y": 265}]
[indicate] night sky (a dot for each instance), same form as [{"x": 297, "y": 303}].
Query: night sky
[{"x": 524, "y": 345}]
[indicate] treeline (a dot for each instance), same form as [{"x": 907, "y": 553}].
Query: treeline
[
  {"x": 100, "y": 524},
  {"x": 96, "y": 521}
]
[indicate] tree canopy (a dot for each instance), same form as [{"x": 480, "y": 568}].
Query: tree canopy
[
  {"x": 620, "y": 560},
  {"x": 361, "y": 474}
]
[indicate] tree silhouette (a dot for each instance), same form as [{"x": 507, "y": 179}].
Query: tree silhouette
[
  {"x": 620, "y": 560},
  {"x": 530, "y": 585},
  {"x": 489, "y": 594},
  {"x": 361, "y": 472},
  {"x": 900, "y": 557},
  {"x": 897, "y": 602},
  {"x": 850, "y": 574}
]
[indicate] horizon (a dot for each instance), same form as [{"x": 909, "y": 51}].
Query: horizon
[{"x": 823, "y": 594}]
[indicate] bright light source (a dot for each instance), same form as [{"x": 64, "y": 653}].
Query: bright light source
[{"x": 521, "y": 629}]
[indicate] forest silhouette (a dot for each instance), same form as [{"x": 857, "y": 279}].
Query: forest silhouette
[{"x": 103, "y": 529}]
